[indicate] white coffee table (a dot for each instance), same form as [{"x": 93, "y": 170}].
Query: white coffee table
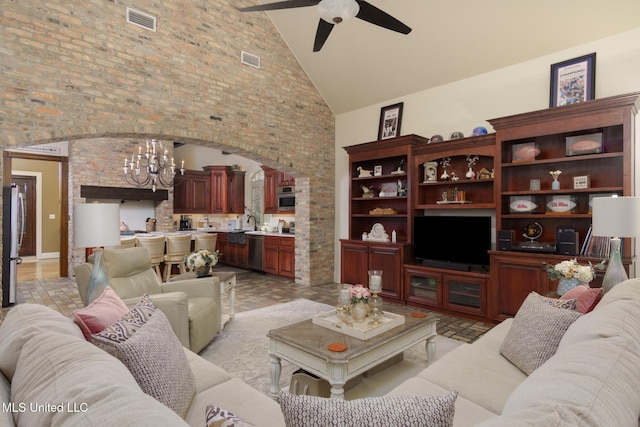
[{"x": 304, "y": 344}]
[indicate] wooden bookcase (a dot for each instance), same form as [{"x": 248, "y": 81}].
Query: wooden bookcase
[{"x": 549, "y": 133}]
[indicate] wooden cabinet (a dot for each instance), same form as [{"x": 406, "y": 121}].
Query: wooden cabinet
[
  {"x": 227, "y": 189},
  {"x": 234, "y": 254},
  {"x": 279, "y": 256},
  {"x": 191, "y": 192},
  {"x": 450, "y": 291},
  {"x": 457, "y": 191},
  {"x": 358, "y": 257},
  {"x": 273, "y": 180}
]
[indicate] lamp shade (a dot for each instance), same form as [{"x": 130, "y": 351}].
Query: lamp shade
[
  {"x": 616, "y": 216},
  {"x": 96, "y": 224},
  {"x": 336, "y": 11}
]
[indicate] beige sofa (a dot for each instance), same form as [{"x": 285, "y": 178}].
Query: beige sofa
[
  {"x": 45, "y": 359},
  {"x": 193, "y": 307},
  {"x": 593, "y": 379}
]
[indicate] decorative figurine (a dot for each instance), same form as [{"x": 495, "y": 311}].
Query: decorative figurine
[
  {"x": 445, "y": 162},
  {"x": 454, "y": 177},
  {"x": 430, "y": 171},
  {"x": 399, "y": 167},
  {"x": 378, "y": 233},
  {"x": 367, "y": 192},
  {"x": 363, "y": 172},
  {"x": 484, "y": 173},
  {"x": 555, "y": 185},
  {"x": 471, "y": 161},
  {"x": 402, "y": 189}
]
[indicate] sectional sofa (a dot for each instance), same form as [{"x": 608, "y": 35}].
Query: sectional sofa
[{"x": 592, "y": 378}]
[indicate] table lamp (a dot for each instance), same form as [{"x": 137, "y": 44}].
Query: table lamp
[
  {"x": 96, "y": 225},
  {"x": 615, "y": 217}
]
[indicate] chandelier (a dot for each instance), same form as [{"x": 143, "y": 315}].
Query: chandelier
[{"x": 151, "y": 167}]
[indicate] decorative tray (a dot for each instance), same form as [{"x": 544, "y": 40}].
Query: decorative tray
[{"x": 363, "y": 330}]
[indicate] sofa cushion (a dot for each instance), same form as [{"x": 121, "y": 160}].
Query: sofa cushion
[
  {"x": 24, "y": 322},
  {"x": 6, "y": 419},
  {"x": 585, "y": 296},
  {"x": 100, "y": 313},
  {"x": 218, "y": 417},
  {"x": 469, "y": 369},
  {"x": 536, "y": 332},
  {"x": 124, "y": 327},
  {"x": 308, "y": 411},
  {"x": 155, "y": 357},
  {"x": 88, "y": 385}
]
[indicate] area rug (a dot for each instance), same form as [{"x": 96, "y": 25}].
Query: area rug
[{"x": 242, "y": 349}]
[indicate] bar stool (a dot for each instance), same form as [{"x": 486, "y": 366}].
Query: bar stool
[
  {"x": 178, "y": 246},
  {"x": 206, "y": 241},
  {"x": 129, "y": 242},
  {"x": 155, "y": 246}
]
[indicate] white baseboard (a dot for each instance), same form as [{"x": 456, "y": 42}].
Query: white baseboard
[{"x": 49, "y": 255}]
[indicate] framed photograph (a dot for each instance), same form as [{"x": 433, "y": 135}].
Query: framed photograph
[
  {"x": 573, "y": 81},
  {"x": 377, "y": 170},
  {"x": 390, "y": 121}
]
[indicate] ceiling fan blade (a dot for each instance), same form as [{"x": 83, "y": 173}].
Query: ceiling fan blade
[
  {"x": 288, "y": 4},
  {"x": 324, "y": 29},
  {"x": 377, "y": 17}
]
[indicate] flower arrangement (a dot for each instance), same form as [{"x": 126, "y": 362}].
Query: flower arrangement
[
  {"x": 359, "y": 294},
  {"x": 201, "y": 258},
  {"x": 570, "y": 269}
]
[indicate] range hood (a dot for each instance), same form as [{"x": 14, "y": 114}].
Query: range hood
[{"x": 121, "y": 193}]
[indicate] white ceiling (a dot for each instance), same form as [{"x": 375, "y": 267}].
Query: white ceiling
[{"x": 362, "y": 64}]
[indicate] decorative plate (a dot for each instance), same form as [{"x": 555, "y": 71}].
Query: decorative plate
[
  {"x": 523, "y": 205},
  {"x": 561, "y": 205}
]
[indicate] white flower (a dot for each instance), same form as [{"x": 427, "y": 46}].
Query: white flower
[{"x": 199, "y": 259}]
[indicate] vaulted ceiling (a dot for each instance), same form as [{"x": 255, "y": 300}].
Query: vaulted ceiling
[{"x": 362, "y": 64}]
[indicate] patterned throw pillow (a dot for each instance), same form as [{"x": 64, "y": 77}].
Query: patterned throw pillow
[
  {"x": 100, "y": 313},
  {"x": 535, "y": 333},
  {"x": 218, "y": 417},
  {"x": 126, "y": 326},
  {"x": 145, "y": 343},
  {"x": 407, "y": 411}
]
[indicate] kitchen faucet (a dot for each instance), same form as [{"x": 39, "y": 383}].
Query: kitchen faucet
[{"x": 254, "y": 221}]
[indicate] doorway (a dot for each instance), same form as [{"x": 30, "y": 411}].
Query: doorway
[{"x": 27, "y": 186}]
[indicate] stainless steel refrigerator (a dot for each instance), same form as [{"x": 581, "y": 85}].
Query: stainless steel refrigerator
[{"x": 12, "y": 232}]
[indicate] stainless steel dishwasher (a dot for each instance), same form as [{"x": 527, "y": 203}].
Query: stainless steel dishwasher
[{"x": 256, "y": 248}]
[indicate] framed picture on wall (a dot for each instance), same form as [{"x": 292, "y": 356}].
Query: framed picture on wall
[
  {"x": 390, "y": 121},
  {"x": 573, "y": 81}
]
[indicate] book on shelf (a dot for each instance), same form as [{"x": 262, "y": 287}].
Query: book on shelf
[{"x": 596, "y": 246}]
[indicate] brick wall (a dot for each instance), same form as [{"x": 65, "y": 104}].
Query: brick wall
[{"x": 76, "y": 71}]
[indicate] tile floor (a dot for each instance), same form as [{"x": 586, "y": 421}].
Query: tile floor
[{"x": 253, "y": 290}]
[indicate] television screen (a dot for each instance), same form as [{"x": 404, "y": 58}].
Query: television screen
[{"x": 452, "y": 239}]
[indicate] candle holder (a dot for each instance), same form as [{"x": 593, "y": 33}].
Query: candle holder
[
  {"x": 343, "y": 308},
  {"x": 375, "y": 302}
]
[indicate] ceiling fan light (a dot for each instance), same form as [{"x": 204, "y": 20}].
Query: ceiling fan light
[{"x": 337, "y": 11}]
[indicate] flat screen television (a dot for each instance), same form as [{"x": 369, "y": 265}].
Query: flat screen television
[{"x": 455, "y": 242}]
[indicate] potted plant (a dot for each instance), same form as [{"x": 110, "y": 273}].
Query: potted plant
[
  {"x": 359, "y": 299},
  {"x": 572, "y": 274},
  {"x": 201, "y": 261}
]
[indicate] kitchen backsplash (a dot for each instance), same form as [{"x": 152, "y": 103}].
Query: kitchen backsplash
[{"x": 222, "y": 221}]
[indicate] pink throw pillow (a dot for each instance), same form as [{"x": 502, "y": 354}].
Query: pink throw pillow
[
  {"x": 585, "y": 296},
  {"x": 101, "y": 313}
]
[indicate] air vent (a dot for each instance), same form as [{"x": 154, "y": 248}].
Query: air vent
[
  {"x": 250, "y": 59},
  {"x": 141, "y": 19}
]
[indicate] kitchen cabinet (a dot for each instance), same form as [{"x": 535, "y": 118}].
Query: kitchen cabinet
[
  {"x": 273, "y": 180},
  {"x": 358, "y": 257},
  {"x": 279, "y": 256},
  {"x": 191, "y": 192},
  {"x": 231, "y": 252},
  {"x": 227, "y": 189}
]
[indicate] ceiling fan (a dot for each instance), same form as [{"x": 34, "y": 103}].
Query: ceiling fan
[{"x": 336, "y": 11}]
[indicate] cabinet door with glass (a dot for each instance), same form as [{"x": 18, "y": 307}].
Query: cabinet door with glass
[{"x": 423, "y": 286}]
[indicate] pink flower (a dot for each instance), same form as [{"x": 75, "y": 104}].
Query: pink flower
[{"x": 359, "y": 293}]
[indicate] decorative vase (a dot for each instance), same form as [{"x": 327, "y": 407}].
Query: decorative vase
[
  {"x": 565, "y": 284},
  {"x": 203, "y": 271},
  {"x": 359, "y": 312}
]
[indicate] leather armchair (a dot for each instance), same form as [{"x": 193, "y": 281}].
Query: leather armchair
[{"x": 194, "y": 307}]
